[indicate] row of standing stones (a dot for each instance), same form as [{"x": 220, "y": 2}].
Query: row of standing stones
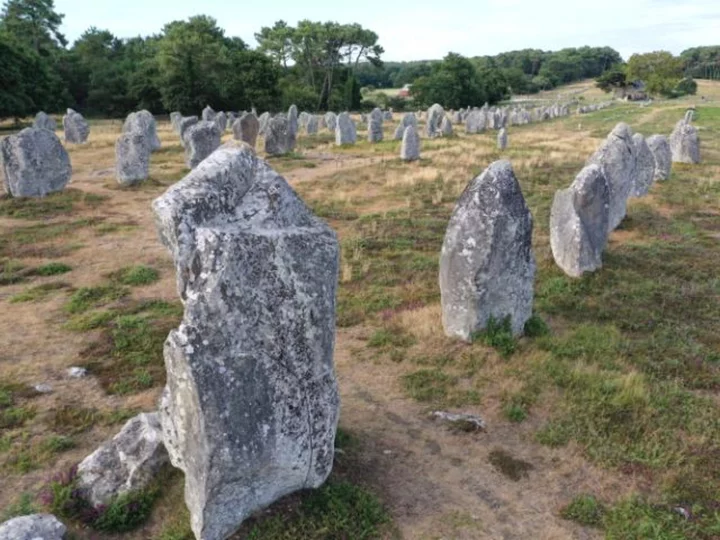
[{"x": 251, "y": 405}]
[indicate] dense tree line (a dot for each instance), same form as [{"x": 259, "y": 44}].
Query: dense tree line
[{"x": 702, "y": 62}]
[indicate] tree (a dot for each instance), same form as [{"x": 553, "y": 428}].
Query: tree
[
  {"x": 660, "y": 70},
  {"x": 353, "y": 97},
  {"x": 276, "y": 41},
  {"x": 34, "y": 23},
  {"x": 613, "y": 79}
]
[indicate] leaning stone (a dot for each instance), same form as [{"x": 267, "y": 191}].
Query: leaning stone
[
  {"x": 487, "y": 267},
  {"x": 76, "y": 127},
  {"x": 616, "y": 158},
  {"x": 43, "y": 121},
  {"x": 375, "y": 127},
  {"x": 33, "y": 527},
  {"x": 345, "y": 132},
  {"x": 579, "y": 223},
  {"x": 644, "y": 167},
  {"x": 660, "y": 148},
  {"x": 246, "y": 129},
  {"x": 278, "y": 139},
  {"x": 143, "y": 122},
  {"x": 502, "y": 139},
  {"x": 132, "y": 158},
  {"x": 184, "y": 125},
  {"x": 251, "y": 404},
  {"x": 684, "y": 143},
  {"x": 410, "y": 148},
  {"x": 208, "y": 114},
  {"x": 201, "y": 140},
  {"x": 127, "y": 463},
  {"x": 34, "y": 163},
  {"x": 435, "y": 115}
]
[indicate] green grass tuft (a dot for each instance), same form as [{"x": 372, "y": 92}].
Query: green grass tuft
[
  {"x": 136, "y": 275},
  {"x": 585, "y": 510}
]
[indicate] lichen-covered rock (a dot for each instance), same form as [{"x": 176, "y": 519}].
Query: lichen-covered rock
[
  {"x": 311, "y": 126},
  {"x": 201, "y": 140},
  {"x": 475, "y": 122},
  {"x": 264, "y": 119},
  {"x": 579, "y": 223},
  {"x": 246, "y": 129},
  {"x": 33, "y": 527},
  {"x": 292, "y": 118},
  {"x": 345, "y": 132},
  {"x": 410, "y": 148},
  {"x": 76, "y": 128},
  {"x": 143, "y": 122},
  {"x": 208, "y": 114},
  {"x": 126, "y": 463},
  {"x": 435, "y": 114},
  {"x": 221, "y": 121},
  {"x": 278, "y": 138},
  {"x": 502, "y": 139},
  {"x": 43, "y": 121},
  {"x": 644, "y": 167},
  {"x": 487, "y": 267},
  {"x": 660, "y": 148},
  {"x": 34, "y": 163},
  {"x": 184, "y": 125},
  {"x": 251, "y": 404},
  {"x": 375, "y": 126},
  {"x": 330, "y": 121},
  {"x": 132, "y": 158},
  {"x": 685, "y": 143},
  {"x": 446, "y": 129},
  {"x": 616, "y": 158}
]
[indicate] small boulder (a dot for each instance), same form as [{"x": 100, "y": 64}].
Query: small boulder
[
  {"x": 410, "y": 148},
  {"x": 33, "y": 527},
  {"x": 43, "y": 121},
  {"x": 375, "y": 127},
  {"x": 685, "y": 143},
  {"x": 76, "y": 128},
  {"x": 143, "y": 122},
  {"x": 201, "y": 140},
  {"x": 132, "y": 158},
  {"x": 502, "y": 139},
  {"x": 660, "y": 148},
  {"x": 345, "y": 132}
]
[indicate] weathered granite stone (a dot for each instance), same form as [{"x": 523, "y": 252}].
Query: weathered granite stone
[
  {"x": 143, "y": 122},
  {"x": 487, "y": 267},
  {"x": 184, "y": 125},
  {"x": 410, "y": 148},
  {"x": 43, "y": 121},
  {"x": 278, "y": 139},
  {"x": 660, "y": 148},
  {"x": 208, "y": 114},
  {"x": 579, "y": 223},
  {"x": 644, "y": 167},
  {"x": 311, "y": 126},
  {"x": 175, "y": 118},
  {"x": 33, "y": 527},
  {"x": 616, "y": 158},
  {"x": 375, "y": 127},
  {"x": 388, "y": 116},
  {"x": 345, "y": 132},
  {"x": 475, "y": 122},
  {"x": 34, "y": 163},
  {"x": 502, "y": 139},
  {"x": 76, "y": 128},
  {"x": 292, "y": 118},
  {"x": 446, "y": 129},
  {"x": 331, "y": 121},
  {"x": 201, "y": 140},
  {"x": 264, "y": 119},
  {"x": 246, "y": 129},
  {"x": 435, "y": 114},
  {"x": 684, "y": 143},
  {"x": 126, "y": 463},
  {"x": 221, "y": 121},
  {"x": 132, "y": 158},
  {"x": 251, "y": 404},
  {"x": 399, "y": 132}
]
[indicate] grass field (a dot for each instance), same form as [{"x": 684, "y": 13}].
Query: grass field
[{"x": 604, "y": 422}]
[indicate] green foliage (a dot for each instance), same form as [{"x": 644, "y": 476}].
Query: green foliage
[
  {"x": 24, "y": 506},
  {"x": 126, "y": 512},
  {"x": 89, "y": 297},
  {"x": 498, "y": 335},
  {"x": 702, "y": 62},
  {"x": 660, "y": 70},
  {"x": 52, "y": 269},
  {"x": 585, "y": 510},
  {"x": 55, "y": 204},
  {"x": 136, "y": 275},
  {"x": 352, "y": 94},
  {"x": 613, "y": 79},
  {"x": 536, "y": 327},
  {"x": 38, "y": 293}
]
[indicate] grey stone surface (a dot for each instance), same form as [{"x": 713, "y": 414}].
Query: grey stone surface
[
  {"x": 475, "y": 122},
  {"x": 34, "y": 163},
  {"x": 143, "y": 122},
  {"x": 264, "y": 119},
  {"x": 246, "y": 129},
  {"x": 175, "y": 118},
  {"x": 311, "y": 126},
  {"x": 388, "y": 116},
  {"x": 502, "y": 139},
  {"x": 221, "y": 121},
  {"x": 435, "y": 114},
  {"x": 33, "y": 527},
  {"x": 208, "y": 114},
  {"x": 446, "y": 129},
  {"x": 76, "y": 128},
  {"x": 251, "y": 404},
  {"x": 278, "y": 138},
  {"x": 616, "y": 158},
  {"x": 410, "y": 148},
  {"x": 330, "y": 121},
  {"x": 201, "y": 140},
  {"x": 660, "y": 148},
  {"x": 126, "y": 463},
  {"x": 579, "y": 223},
  {"x": 184, "y": 125},
  {"x": 644, "y": 167},
  {"x": 345, "y": 132},
  {"x": 375, "y": 126},
  {"x": 292, "y": 118},
  {"x": 685, "y": 143},
  {"x": 487, "y": 266},
  {"x": 43, "y": 121},
  {"x": 132, "y": 158}
]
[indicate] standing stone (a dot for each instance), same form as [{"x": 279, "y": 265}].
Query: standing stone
[
  {"x": 221, "y": 121},
  {"x": 184, "y": 125},
  {"x": 410, "y": 148},
  {"x": 311, "y": 126},
  {"x": 375, "y": 128},
  {"x": 616, "y": 158},
  {"x": 487, "y": 267},
  {"x": 76, "y": 128},
  {"x": 34, "y": 163},
  {"x": 250, "y": 409},
  {"x": 246, "y": 129},
  {"x": 446, "y": 129},
  {"x": 175, "y": 118},
  {"x": 388, "y": 115},
  {"x": 644, "y": 167},
  {"x": 684, "y": 143},
  {"x": 579, "y": 223},
  {"x": 435, "y": 115},
  {"x": 475, "y": 122},
  {"x": 208, "y": 114},
  {"x": 660, "y": 148},
  {"x": 399, "y": 132},
  {"x": 457, "y": 117},
  {"x": 143, "y": 122},
  {"x": 278, "y": 139},
  {"x": 292, "y": 118},
  {"x": 201, "y": 140},
  {"x": 33, "y": 527},
  {"x": 264, "y": 120},
  {"x": 132, "y": 158},
  {"x": 331, "y": 121},
  {"x": 127, "y": 463},
  {"x": 345, "y": 132},
  {"x": 231, "y": 117},
  {"x": 502, "y": 139},
  {"x": 43, "y": 121}
]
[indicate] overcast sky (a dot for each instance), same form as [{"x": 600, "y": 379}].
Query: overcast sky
[{"x": 429, "y": 29}]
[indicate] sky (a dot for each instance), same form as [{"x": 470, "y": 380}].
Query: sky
[{"x": 429, "y": 29}]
